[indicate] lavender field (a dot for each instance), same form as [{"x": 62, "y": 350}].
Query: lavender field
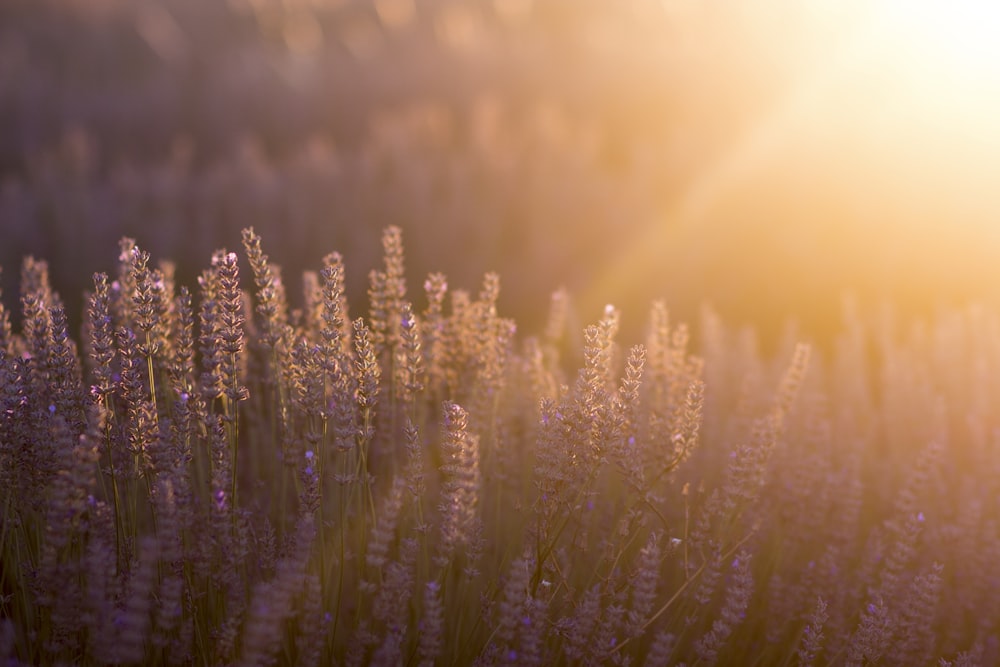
[{"x": 517, "y": 332}]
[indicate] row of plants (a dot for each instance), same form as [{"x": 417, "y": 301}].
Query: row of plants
[{"x": 210, "y": 476}]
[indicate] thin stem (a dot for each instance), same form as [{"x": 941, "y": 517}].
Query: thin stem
[{"x": 683, "y": 587}]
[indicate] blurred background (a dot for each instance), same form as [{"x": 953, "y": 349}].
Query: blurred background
[{"x": 766, "y": 157}]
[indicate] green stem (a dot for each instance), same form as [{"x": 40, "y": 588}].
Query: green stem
[
  {"x": 683, "y": 587},
  {"x": 232, "y": 412},
  {"x": 116, "y": 493}
]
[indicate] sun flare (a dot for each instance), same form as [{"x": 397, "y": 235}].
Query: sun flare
[
  {"x": 946, "y": 55},
  {"x": 886, "y": 135},
  {"x": 959, "y": 37}
]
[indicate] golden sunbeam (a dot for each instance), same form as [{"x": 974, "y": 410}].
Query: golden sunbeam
[{"x": 899, "y": 121}]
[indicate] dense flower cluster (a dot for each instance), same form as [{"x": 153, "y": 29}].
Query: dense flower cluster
[{"x": 219, "y": 478}]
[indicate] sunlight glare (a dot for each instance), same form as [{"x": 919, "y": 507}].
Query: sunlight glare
[
  {"x": 941, "y": 49},
  {"x": 884, "y": 142},
  {"x": 955, "y": 34}
]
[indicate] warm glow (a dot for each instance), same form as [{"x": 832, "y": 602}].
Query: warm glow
[
  {"x": 915, "y": 99},
  {"x": 944, "y": 57},
  {"x": 878, "y": 156},
  {"x": 953, "y": 40},
  {"x": 395, "y": 13}
]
